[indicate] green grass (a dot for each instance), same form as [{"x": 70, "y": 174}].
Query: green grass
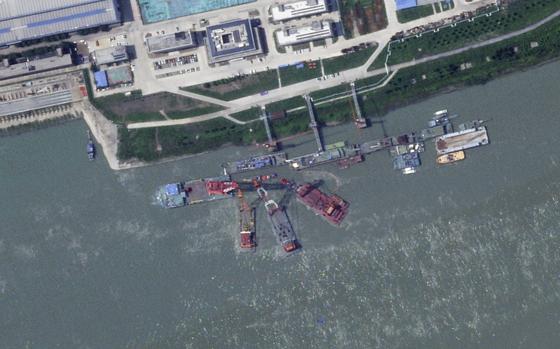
[
  {"x": 517, "y": 16},
  {"x": 194, "y": 112},
  {"x": 247, "y": 114},
  {"x": 372, "y": 80},
  {"x": 286, "y": 104},
  {"x": 238, "y": 87},
  {"x": 413, "y": 13},
  {"x": 347, "y": 61},
  {"x": 408, "y": 85},
  {"x": 138, "y": 108},
  {"x": 188, "y": 139},
  {"x": 316, "y": 95},
  {"x": 291, "y": 75}
]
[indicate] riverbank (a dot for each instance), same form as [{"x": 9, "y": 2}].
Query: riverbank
[{"x": 409, "y": 85}]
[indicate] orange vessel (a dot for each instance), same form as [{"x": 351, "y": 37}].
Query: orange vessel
[{"x": 333, "y": 208}]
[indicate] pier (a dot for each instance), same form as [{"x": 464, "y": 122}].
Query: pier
[
  {"x": 359, "y": 120},
  {"x": 313, "y": 124},
  {"x": 264, "y": 116}
]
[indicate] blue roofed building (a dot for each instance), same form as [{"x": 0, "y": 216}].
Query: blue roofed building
[
  {"x": 100, "y": 78},
  {"x": 404, "y": 4},
  {"x": 28, "y": 20}
]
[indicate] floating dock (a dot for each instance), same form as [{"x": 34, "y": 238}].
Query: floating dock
[{"x": 466, "y": 139}]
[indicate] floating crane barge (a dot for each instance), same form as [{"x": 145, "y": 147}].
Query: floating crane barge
[{"x": 333, "y": 208}]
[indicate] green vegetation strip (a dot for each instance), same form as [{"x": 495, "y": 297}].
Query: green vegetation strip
[
  {"x": 188, "y": 139},
  {"x": 248, "y": 114},
  {"x": 135, "y": 107},
  {"x": 413, "y": 13},
  {"x": 326, "y": 92},
  {"x": 347, "y": 61},
  {"x": 472, "y": 67},
  {"x": 286, "y": 104},
  {"x": 237, "y": 87},
  {"x": 517, "y": 15},
  {"x": 292, "y": 75}
]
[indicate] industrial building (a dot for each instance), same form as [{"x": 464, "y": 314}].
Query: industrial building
[
  {"x": 27, "y": 20},
  {"x": 109, "y": 55},
  {"x": 34, "y": 65},
  {"x": 296, "y": 35},
  {"x": 113, "y": 77},
  {"x": 232, "y": 40},
  {"x": 170, "y": 42},
  {"x": 158, "y": 10},
  {"x": 298, "y": 9},
  {"x": 404, "y": 4},
  {"x": 61, "y": 89}
]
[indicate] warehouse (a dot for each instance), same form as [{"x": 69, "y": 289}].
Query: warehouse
[
  {"x": 232, "y": 40},
  {"x": 25, "y": 20},
  {"x": 297, "y": 35}
]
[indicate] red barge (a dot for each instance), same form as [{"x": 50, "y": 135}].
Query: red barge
[{"x": 333, "y": 208}]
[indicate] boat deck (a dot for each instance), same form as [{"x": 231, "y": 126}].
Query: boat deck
[
  {"x": 469, "y": 138},
  {"x": 197, "y": 192}
]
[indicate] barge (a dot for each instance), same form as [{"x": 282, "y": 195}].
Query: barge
[
  {"x": 279, "y": 222},
  {"x": 247, "y": 229},
  {"x": 461, "y": 140},
  {"x": 281, "y": 226},
  {"x": 90, "y": 147},
  {"x": 256, "y": 163},
  {"x": 333, "y": 208},
  {"x": 450, "y": 157},
  {"x": 351, "y": 161},
  {"x": 332, "y": 152},
  {"x": 196, "y": 191}
]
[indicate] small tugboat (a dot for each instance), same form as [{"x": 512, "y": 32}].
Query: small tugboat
[
  {"x": 450, "y": 157},
  {"x": 90, "y": 147}
]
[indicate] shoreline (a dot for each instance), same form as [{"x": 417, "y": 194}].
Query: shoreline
[{"x": 106, "y": 133}]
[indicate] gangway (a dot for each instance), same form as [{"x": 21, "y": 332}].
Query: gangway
[
  {"x": 359, "y": 121},
  {"x": 264, "y": 116},
  {"x": 313, "y": 124}
]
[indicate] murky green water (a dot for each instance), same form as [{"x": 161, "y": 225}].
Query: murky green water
[{"x": 464, "y": 256}]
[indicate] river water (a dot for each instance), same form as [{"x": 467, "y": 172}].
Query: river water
[{"x": 463, "y": 256}]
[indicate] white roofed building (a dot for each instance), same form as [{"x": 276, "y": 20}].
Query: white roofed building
[
  {"x": 296, "y": 35},
  {"x": 303, "y": 8}
]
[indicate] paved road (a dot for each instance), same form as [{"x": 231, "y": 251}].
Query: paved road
[{"x": 345, "y": 77}]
